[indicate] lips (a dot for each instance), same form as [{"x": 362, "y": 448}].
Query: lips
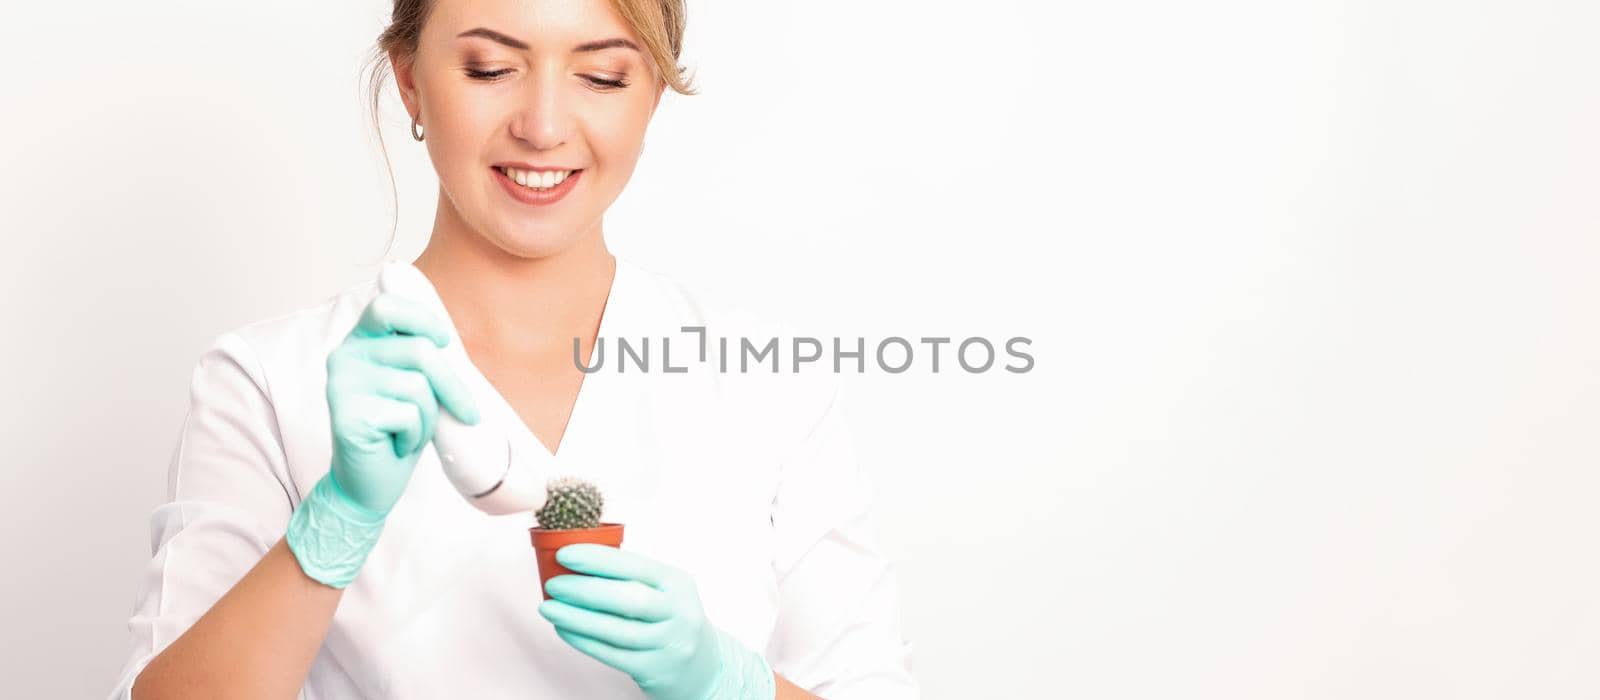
[
  {"x": 537, "y": 179},
  {"x": 529, "y": 166},
  {"x": 536, "y": 197}
]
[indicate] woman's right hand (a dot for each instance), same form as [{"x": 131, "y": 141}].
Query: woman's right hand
[{"x": 386, "y": 382}]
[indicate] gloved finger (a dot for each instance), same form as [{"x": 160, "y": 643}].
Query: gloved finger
[
  {"x": 418, "y": 354},
  {"x": 625, "y": 660},
  {"x": 629, "y": 599},
  {"x": 613, "y": 562},
  {"x": 619, "y": 632},
  {"x": 408, "y": 385},
  {"x": 367, "y": 420},
  {"x": 388, "y": 313}
]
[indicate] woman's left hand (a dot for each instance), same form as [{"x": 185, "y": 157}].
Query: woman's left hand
[{"x": 644, "y": 618}]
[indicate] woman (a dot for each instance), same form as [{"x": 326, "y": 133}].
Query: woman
[{"x": 311, "y": 541}]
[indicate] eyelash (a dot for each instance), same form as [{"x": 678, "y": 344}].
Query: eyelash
[{"x": 489, "y": 76}]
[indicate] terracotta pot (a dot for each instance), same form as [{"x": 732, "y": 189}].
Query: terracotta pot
[{"x": 546, "y": 542}]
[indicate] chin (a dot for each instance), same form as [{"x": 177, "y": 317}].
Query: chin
[{"x": 534, "y": 241}]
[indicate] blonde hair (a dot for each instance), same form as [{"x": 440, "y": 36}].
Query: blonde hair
[{"x": 658, "y": 23}]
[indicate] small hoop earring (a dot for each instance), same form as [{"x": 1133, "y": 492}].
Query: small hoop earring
[{"x": 414, "y": 133}]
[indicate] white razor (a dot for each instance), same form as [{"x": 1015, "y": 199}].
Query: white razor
[{"x": 479, "y": 460}]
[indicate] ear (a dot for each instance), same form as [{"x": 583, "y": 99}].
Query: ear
[
  {"x": 405, "y": 79},
  {"x": 661, "y": 89}
]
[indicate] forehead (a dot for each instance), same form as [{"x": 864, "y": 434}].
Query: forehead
[{"x": 552, "y": 24}]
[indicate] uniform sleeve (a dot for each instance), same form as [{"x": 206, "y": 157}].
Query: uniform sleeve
[
  {"x": 227, "y": 502},
  {"x": 838, "y": 633}
]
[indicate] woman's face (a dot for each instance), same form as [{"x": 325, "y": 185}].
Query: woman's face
[{"x": 548, "y": 84}]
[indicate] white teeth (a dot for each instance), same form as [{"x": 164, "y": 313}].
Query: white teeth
[{"x": 537, "y": 180}]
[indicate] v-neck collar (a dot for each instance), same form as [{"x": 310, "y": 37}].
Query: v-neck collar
[{"x": 611, "y": 320}]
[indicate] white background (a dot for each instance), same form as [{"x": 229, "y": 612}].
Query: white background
[{"x": 1311, "y": 286}]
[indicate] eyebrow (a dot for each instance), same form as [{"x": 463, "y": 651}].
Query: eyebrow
[{"x": 598, "y": 45}]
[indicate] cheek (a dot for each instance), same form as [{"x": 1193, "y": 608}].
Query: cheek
[
  {"x": 463, "y": 126},
  {"x": 616, "y": 136}
]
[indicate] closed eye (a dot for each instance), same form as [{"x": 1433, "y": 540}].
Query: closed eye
[{"x": 491, "y": 75}]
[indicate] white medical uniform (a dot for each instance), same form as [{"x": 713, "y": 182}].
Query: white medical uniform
[{"x": 744, "y": 480}]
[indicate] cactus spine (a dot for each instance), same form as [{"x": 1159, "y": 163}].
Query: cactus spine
[{"x": 571, "y": 504}]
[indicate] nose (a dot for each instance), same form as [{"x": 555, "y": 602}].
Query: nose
[{"x": 543, "y": 117}]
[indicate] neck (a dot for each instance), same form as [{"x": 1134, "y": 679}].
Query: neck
[{"x": 515, "y": 303}]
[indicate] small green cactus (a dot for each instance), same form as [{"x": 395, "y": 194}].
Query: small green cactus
[{"x": 571, "y": 504}]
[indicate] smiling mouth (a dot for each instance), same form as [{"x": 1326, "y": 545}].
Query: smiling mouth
[{"x": 537, "y": 181}]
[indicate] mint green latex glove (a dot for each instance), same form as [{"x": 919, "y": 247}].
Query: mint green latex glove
[
  {"x": 386, "y": 382},
  {"x": 644, "y": 618}
]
